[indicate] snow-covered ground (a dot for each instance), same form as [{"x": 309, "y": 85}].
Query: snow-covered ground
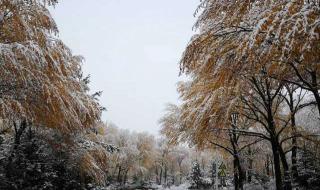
[
  {"x": 246, "y": 187},
  {"x": 185, "y": 186},
  {"x": 268, "y": 186},
  {"x": 181, "y": 187}
]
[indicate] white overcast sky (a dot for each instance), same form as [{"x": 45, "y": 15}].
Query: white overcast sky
[{"x": 132, "y": 50}]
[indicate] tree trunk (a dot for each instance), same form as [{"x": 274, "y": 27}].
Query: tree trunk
[
  {"x": 294, "y": 139},
  {"x": 237, "y": 170},
  {"x": 274, "y": 139},
  {"x": 287, "y": 177},
  {"x": 119, "y": 175},
  {"x": 160, "y": 180},
  {"x": 267, "y": 166},
  {"x": 157, "y": 176},
  {"x": 294, "y": 151},
  {"x": 125, "y": 177},
  {"x": 235, "y": 175},
  {"x": 272, "y": 168},
  {"x": 165, "y": 174},
  {"x": 173, "y": 180},
  {"x": 250, "y": 165},
  {"x": 315, "y": 89},
  {"x": 277, "y": 167},
  {"x": 317, "y": 97},
  {"x": 180, "y": 176},
  {"x": 241, "y": 175},
  {"x": 17, "y": 139}
]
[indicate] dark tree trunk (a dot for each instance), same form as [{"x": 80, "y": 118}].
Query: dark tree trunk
[
  {"x": 272, "y": 168},
  {"x": 17, "y": 139},
  {"x": 317, "y": 97},
  {"x": 276, "y": 147},
  {"x": 267, "y": 166},
  {"x": 165, "y": 174},
  {"x": 277, "y": 167},
  {"x": 315, "y": 89},
  {"x": 173, "y": 180},
  {"x": 235, "y": 175},
  {"x": 238, "y": 173},
  {"x": 180, "y": 176},
  {"x": 250, "y": 165},
  {"x": 294, "y": 150},
  {"x": 119, "y": 175},
  {"x": 294, "y": 159},
  {"x": 125, "y": 179},
  {"x": 241, "y": 175},
  {"x": 287, "y": 177},
  {"x": 294, "y": 139},
  {"x": 160, "y": 180},
  {"x": 237, "y": 169},
  {"x": 157, "y": 175},
  {"x": 19, "y": 132}
]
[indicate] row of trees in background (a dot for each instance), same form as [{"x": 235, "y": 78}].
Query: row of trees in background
[
  {"x": 143, "y": 160},
  {"x": 253, "y": 88}
]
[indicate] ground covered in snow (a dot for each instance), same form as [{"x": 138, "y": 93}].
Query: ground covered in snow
[{"x": 185, "y": 186}]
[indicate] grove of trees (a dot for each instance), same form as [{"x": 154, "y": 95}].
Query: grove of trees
[
  {"x": 253, "y": 88},
  {"x": 250, "y": 99},
  {"x": 51, "y": 136},
  {"x": 47, "y": 116},
  {"x": 142, "y": 160}
]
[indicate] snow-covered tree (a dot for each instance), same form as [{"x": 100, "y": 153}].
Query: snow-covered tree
[
  {"x": 196, "y": 175},
  {"x": 308, "y": 167},
  {"x": 42, "y": 88},
  {"x": 41, "y": 80},
  {"x": 243, "y": 56}
]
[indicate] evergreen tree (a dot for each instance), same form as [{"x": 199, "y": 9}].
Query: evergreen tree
[
  {"x": 213, "y": 172},
  {"x": 33, "y": 164},
  {"x": 308, "y": 169},
  {"x": 196, "y": 175}
]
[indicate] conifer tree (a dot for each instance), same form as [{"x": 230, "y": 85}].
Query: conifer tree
[{"x": 195, "y": 175}]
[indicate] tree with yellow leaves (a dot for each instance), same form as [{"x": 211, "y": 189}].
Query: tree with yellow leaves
[
  {"x": 41, "y": 81},
  {"x": 192, "y": 125},
  {"x": 286, "y": 38},
  {"x": 42, "y": 88},
  {"x": 242, "y": 59}
]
